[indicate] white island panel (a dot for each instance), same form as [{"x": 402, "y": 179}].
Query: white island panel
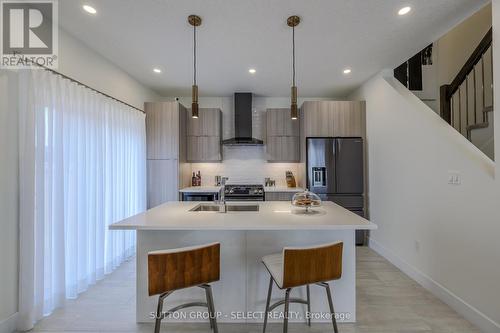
[
  {"x": 244, "y": 280},
  {"x": 245, "y": 238}
]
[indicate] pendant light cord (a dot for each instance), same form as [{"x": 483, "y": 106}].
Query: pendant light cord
[
  {"x": 293, "y": 54},
  {"x": 194, "y": 55}
]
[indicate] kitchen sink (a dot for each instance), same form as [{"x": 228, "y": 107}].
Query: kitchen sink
[{"x": 230, "y": 208}]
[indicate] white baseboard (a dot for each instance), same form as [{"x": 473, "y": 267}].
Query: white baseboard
[
  {"x": 473, "y": 315},
  {"x": 9, "y": 325}
]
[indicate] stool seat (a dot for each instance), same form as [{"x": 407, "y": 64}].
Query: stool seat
[
  {"x": 274, "y": 264},
  {"x": 303, "y": 266},
  {"x": 175, "y": 269}
]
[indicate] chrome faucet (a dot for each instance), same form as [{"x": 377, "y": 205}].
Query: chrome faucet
[{"x": 222, "y": 196}]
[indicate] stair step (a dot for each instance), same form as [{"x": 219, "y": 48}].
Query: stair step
[
  {"x": 488, "y": 109},
  {"x": 477, "y": 126}
]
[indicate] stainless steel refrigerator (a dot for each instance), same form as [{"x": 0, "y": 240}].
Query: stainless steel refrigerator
[{"x": 335, "y": 171}]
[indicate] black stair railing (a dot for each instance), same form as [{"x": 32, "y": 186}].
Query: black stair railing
[{"x": 458, "y": 114}]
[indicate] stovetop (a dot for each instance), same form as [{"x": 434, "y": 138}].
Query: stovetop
[{"x": 244, "y": 190}]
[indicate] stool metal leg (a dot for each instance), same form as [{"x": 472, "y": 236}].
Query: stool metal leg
[
  {"x": 210, "y": 306},
  {"x": 308, "y": 306},
  {"x": 330, "y": 303},
  {"x": 159, "y": 311},
  {"x": 210, "y": 301},
  {"x": 268, "y": 302},
  {"x": 287, "y": 307}
]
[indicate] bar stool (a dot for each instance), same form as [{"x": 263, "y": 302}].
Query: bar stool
[
  {"x": 297, "y": 267},
  {"x": 181, "y": 268}
]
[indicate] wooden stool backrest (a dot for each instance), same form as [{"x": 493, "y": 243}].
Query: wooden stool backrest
[
  {"x": 302, "y": 266},
  {"x": 182, "y": 268}
]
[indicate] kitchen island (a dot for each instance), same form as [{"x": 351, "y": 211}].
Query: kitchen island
[{"x": 245, "y": 237}]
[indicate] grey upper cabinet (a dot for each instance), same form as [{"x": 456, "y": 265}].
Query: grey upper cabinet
[
  {"x": 279, "y": 123},
  {"x": 204, "y": 136},
  {"x": 283, "y": 149},
  {"x": 162, "y": 130},
  {"x": 209, "y": 123},
  {"x": 333, "y": 119},
  {"x": 282, "y": 143},
  {"x": 203, "y": 149}
]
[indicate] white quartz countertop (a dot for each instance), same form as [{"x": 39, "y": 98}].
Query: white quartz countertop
[
  {"x": 272, "y": 215},
  {"x": 215, "y": 189},
  {"x": 283, "y": 189},
  {"x": 201, "y": 189}
]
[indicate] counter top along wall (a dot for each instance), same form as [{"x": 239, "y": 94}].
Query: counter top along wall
[
  {"x": 216, "y": 189},
  {"x": 272, "y": 215},
  {"x": 283, "y": 189}
]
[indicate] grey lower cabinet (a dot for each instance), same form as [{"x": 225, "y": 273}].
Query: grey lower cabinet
[
  {"x": 204, "y": 136},
  {"x": 282, "y": 144},
  {"x": 279, "y": 196}
]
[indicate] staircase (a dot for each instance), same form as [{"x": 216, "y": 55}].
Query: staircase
[{"x": 467, "y": 102}]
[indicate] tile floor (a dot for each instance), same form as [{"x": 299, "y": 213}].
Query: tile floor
[{"x": 387, "y": 300}]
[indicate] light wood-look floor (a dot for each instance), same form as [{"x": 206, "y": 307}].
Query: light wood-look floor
[{"x": 387, "y": 302}]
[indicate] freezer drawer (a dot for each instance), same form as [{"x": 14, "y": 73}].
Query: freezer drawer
[
  {"x": 350, "y": 202},
  {"x": 360, "y": 234}
]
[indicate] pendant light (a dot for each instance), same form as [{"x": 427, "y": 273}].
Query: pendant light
[
  {"x": 195, "y": 21},
  {"x": 292, "y": 22}
]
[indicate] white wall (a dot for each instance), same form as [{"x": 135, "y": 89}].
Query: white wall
[
  {"x": 80, "y": 63},
  {"x": 245, "y": 164},
  {"x": 445, "y": 236}
]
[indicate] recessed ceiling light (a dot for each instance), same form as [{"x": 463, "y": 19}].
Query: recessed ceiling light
[
  {"x": 404, "y": 10},
  {"x": 347, "y": 71},
  {"x": 89, "y": 9},
  {"x": 252, "y": 71},
  {"x": 157, "y": 70}
]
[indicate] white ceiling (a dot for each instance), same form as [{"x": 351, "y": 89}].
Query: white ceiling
[{"x": 365, "y": 35}]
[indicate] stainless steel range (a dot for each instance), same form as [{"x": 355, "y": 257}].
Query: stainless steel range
[{"x": 244, "y": 193}]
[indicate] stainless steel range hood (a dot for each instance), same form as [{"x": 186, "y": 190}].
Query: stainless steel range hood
[{"x": 243, "y": 122}]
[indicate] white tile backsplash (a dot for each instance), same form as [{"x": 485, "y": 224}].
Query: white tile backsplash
[{"x": 245, "y": 165}]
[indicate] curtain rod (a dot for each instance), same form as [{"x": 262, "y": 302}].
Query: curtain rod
[{"x": 88, "y": 87}]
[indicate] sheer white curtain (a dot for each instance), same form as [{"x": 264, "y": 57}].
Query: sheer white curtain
[{"x": 82, "y": 167}]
